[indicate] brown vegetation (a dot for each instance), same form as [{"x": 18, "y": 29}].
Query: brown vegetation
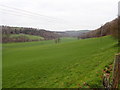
[{"x": 110, "y": 28}]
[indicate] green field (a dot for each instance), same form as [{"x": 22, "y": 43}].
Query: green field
[
  {"x": 69, "y": 64},
  {"x": 31, "y": 37}
]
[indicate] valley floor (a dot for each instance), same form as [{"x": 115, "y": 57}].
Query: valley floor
[{"x": 68, "y": 64}]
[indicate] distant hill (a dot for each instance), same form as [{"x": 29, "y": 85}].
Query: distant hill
[
  {"x": 71, "y": 33},
  {"x": 8, "y": 31},
  {"x": 109, "y": 28},
  {"x": 23, "y": 32}
]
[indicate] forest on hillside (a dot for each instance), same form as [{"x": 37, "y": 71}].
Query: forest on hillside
[
  {"x": 7, "y": 31},
  {"x": 110, "y": 28}
]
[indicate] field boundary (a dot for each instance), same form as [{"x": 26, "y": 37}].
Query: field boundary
[{"x": 116, "y": 72}]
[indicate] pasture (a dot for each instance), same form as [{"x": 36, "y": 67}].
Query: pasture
[
  {"x": 71, "y": 63},
  {"x": 32, "y": 37},
  {"x": 22, "y": 36}
]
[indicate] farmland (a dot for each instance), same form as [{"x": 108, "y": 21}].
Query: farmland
[
  {"x": 20, "y": 38},
  {"x": 32, "y": 37},
  {"x": 71, "y": 63}
]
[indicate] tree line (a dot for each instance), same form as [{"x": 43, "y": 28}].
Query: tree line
[
  {"x": 110, "y": 28},
  {"x": 7, "y": 30}
]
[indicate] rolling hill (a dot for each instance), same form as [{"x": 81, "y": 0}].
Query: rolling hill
[
  {"x": 7, "y": 30},
  {"x": 71, "y": 33}
]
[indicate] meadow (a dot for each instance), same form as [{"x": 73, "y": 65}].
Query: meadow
[
  {"x": 30, "y": 37},
  {"x": 71, "y": 63}
]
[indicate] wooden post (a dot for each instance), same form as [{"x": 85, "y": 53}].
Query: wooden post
[
  {"x": 118, "y": 27},
  {"x": 118, "y": 57},
  {"x": 118, "y": 34},
  {"x": 116, "y": 72}
]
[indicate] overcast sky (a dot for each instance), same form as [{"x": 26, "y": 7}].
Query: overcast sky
[{"x": 58, "y": 15}]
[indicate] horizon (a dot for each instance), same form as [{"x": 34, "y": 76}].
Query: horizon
[{"x": 44, "y": 29}]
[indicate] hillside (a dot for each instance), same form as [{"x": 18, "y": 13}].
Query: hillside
[
  {"x": 47, "y": 35},
  {"x": 8, "y": 32},
  {"x": 74, "y": 64},
  {"x": 20, "y": 38},
  {"x": 109, "y": 28},
  {"x": 71, "y": 33}
]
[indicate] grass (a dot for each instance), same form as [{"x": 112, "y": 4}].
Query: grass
[
  {"x": 36, "y": 43},
  {"x": 71, "y": 64},
  {"x": 67, "y": 39},
  {"x": 31, "y": 37}
]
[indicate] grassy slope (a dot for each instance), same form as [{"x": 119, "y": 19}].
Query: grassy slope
[
  {"x": 45, "y": 42},
  {"x": 32, "y": 37},
  {"x": 67, "y": 39},
  {"x": 67, "y": 64}
]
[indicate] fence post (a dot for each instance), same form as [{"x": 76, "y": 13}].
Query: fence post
[{"x": 116, "y": 72}]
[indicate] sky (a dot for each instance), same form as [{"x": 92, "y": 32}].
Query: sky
[{"x": 58, "y": 15}]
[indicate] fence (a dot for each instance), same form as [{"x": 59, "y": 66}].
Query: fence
[
  {"x": 116, "y": 72},
  {"x": 115, "y": 77}
]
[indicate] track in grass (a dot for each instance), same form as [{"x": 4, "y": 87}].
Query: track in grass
[{"x": 78, "y": 63}]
